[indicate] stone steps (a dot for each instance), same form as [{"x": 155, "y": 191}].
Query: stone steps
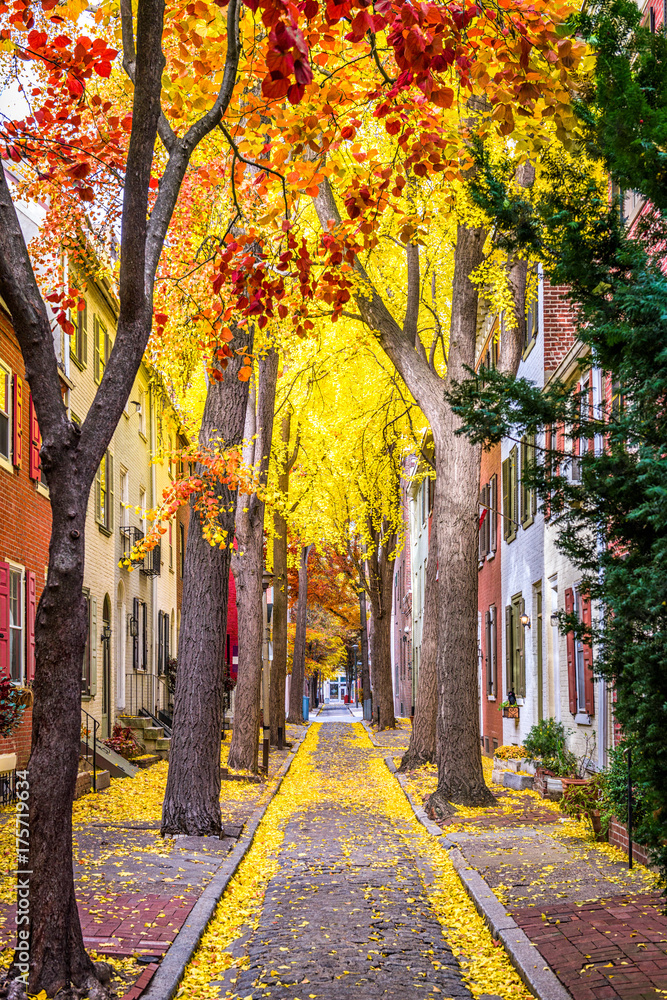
[{"x": 147, "y": 734}]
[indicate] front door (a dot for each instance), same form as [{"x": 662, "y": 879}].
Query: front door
[{"x": 106, "y": 667}]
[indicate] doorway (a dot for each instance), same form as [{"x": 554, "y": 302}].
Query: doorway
[{"x": 106, "y": 666}]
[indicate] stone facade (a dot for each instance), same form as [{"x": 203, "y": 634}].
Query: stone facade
[{"x": 401, "y": 617}]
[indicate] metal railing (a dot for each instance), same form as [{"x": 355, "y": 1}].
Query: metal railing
[
  {"x": 90, "y": 743},
  {"x": 7, "y": 788},
  {"x": 152, "y": 561},
  {"x": 146, "y": 691}
]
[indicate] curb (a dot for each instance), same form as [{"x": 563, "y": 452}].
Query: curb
[
  {"x": 371, "y": 735},
  {"x": 165, "y": 982},
  {"x": 540, "y": 979}
]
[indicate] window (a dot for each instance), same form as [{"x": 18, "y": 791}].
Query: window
[
  {"x": 514, "y": 647},
  {"x": 181, "y": 550},
  {"x": 78, "y": 347},
  {"x": 491, "y": 638},
  {"x": 488, "y": 536},
  {"x": 102, "y": 344},
  {"x": 652, "y": 20},
  {"x": 510, "y": 496},
  {"x": 124, "y": 493},
  {"x": 16, "y": 625},
  {"x": 142, "y": 505},
  {"x": 142, "y": 413},
  {"x": 532, "y": 325},
  {"x": 491, "y": 354},
  {"x": 580, "y": 666},
  {"x": 163, "y": 636},
  {"x": 5, "y": 413},
  {"x": 140, "y": 640},
  {"x": 104, "y": 493},
  {"x": 528, "y": 494},
  {"x": 89, "y": 671}
]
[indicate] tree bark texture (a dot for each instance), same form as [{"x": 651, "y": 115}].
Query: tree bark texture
[
  {"x": 455, "y": 517},
  {"x": 380, "y": 585},
  {"x": 461, "y": 778},
  {"x": 192, "y": 797},
  {"x": 299, "y": 655},
  {"x": 248, "y": 566},
  {"x": 279, "y": 662},
  {"x": 422, "y": 739},
  {"x": 70, "y": 457}
]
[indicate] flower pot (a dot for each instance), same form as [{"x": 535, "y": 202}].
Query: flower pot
[
  {"x": 567, "y": 782},
  {"x": 511, "y": 712}
]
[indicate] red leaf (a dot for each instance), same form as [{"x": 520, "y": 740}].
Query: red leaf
[{"x": 102, "y": 68}]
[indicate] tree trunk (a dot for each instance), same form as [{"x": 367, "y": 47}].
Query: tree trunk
[
  {"x": 365, "y": 671},
  {"x": 57, "y": 954},
  {"x": 279, "y": 663},
  {"x": 299, "y": 656},
  {"x": 455, "y": 518},
  {"x": 248, "y": 566},
  {"x": 380, "y": 574},
  {"x": 422, "y": 740},
  {"x": 192, "y": 797}
]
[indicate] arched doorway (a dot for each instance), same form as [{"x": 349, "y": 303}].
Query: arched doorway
[{"x": 106, "y": 666}]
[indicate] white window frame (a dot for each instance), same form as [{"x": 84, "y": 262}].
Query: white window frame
[
  {"x": 14, "y": 570},
  {"x": 6, "y": 462},
  {"x": 142, "y": 413},
  {"x": 579, "y": 666},
  {"x": 142, "y": 505},
  {"x": 124, "y": 484}
]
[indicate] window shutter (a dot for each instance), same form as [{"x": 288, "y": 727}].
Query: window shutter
[
  {"x": 160, "y": 648},
  {"x": 523, "y": 492},
  {"x": 135, "y": 638},
  {"x": 35, "y": 442},
  {"x": 589, "y": 687},
  {"x": 533, "y": 492},
  {"x": 521, "y": 636},
  {"x": 93, "y": 646},
  {"x": 109, "y": 511},
  {"x": 4, "y": 618},
  {"x": 506, "y": 500},
  {"x": 144, "y": 635},
  {"x": 514, "y": 499},
  {"x": 167, "y": 626},
  {"x": 493, "y": 516},
  {"x": 17, "y": 421},
  {"x": 571, "y": 664},
  {"x": 83, "y": 335},
  {"x": 508, "y": 646},
  {"x": 96, "y": 348},
  {"x": 31, "y": 610},
  {"x": 98, "y": 494},
  {"x": 489, "y": 659},
  {"x": 107, "y": 347},
  {"x": 483, "y": 513}
]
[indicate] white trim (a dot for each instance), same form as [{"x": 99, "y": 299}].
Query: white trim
[{"x": 18, "y": 568}]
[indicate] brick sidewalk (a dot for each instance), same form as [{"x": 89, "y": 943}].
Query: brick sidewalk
[{"x": 610, "y": 949}]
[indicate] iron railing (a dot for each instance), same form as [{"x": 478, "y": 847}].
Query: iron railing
[
  {"x": 149, "y": 692},
  {"x": 7, "y": 788},
  {"x": 152, "y": 561},
  {"x": 90, "y": 725}
]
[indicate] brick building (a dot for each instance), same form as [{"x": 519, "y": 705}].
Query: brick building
[{"x": 24, "y": 551}]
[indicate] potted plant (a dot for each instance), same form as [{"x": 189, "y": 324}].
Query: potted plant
[{"x": 587, "y": 797}]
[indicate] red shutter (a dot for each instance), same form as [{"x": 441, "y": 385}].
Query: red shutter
[
  {"x": 31, "y": 609},
  {"x": 17, "y": 421},
  {"x": 35, "y": 442},
  {"x": 4, "y": 618},
  {"x": 571, "y": 666},
  {"x": 589, "y": 686}
]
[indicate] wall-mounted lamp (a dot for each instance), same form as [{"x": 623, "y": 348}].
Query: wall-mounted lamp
[
  {"x": 106, "y": 633},
  {"x": 136, "y": 404},
  {"x": 554, "y": 618},
  {"x": 133, "y": 626},
  {"x": 525, "y": 621}
]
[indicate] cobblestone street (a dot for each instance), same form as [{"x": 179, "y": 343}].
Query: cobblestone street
[{"x": 347, "y": 914}]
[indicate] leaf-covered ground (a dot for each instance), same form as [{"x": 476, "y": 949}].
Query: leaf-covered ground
[{"x": 344, "y": 894}]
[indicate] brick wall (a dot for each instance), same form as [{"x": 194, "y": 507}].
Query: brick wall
[
  {"x": 25, "y": 520},
  {"x": 618, "y": 835},
  {"x": 490, "y": 593},
  {"x": 559, "y": 331}
]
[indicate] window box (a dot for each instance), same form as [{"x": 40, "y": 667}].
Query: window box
[{"x": 510, "y": 711}]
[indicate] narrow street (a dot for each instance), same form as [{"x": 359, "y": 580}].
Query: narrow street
[{"x": 347, "y": 912}]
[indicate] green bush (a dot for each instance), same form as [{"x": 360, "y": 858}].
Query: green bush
[{"x": 547, "y": 743}]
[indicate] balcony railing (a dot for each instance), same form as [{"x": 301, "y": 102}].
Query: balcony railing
[{"x": 152, "y": 561}]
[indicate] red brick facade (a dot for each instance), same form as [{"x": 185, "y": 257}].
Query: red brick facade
[
  {"x": 618, "y": 835},
  {"x": 559, "y": 329},
  {"x": 489, "y": 603},
  {"x": 25, "y": 517}
]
